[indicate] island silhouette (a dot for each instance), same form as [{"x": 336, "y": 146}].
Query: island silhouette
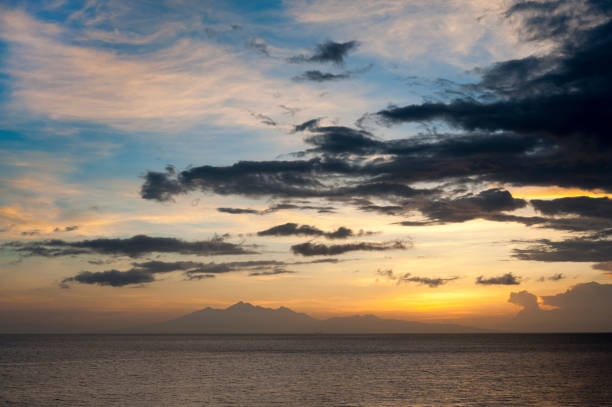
[{"x": 246, "y": 318}]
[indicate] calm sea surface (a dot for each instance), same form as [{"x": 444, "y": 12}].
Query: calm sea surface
[{"x": 306, "y": 370}]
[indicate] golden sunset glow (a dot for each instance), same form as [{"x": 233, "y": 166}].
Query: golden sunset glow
[{"x": 406, "y": 159}]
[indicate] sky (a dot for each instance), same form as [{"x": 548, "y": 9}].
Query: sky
[{"x": 427, "y": 160}]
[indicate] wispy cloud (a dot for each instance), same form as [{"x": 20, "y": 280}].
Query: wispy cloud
[
  {"x": 505, "y": 279},
  {"x": 464, "y": 33},
  {"x": 135, "y": 246},
  {"x": 145, "y": 272},
  {"x": 319, "y": 249},
  {"x": 289, "y": 229},
  {"x": 169, "y": 87},
  {"x": 432, "y": 282}
]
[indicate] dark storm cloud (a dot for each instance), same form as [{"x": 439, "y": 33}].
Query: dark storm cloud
[
  {"x": 489, "y": 204},
  {"x": 318, "y": 76},
  {"x": 564, "y": 96},
  {"x": 329, "y": 51},
  {"x": 140, "y": 273},
  {"x": 506, "y": 279},
  {"x": 318, "y": 249},
  {"x": 526, "y": 116},
  {"x": 409, "y": 278},
  {"x": 580, "y": 205},
  {"x": 580, "y": 249},
  {"x": 574, "y": 214},
  {"x": 135, "y": 246},
  {"x": 419, "y": 159},
  {"x": 114, "y": 278},
  {"x": 159, "y": 185},
  {"x": 340, "y": 140},
  {"x": 251, "y": 178},
  {"x": 541, "y": 120},
  {"x": 333, "y": 140},
  {"x": 471, "y": 206},
  {"x": 573, "y": 224},
  {"x": 289, "y": 229},
  {"x": 563, "y": 93},
  {"x": 284, "y": 179}
]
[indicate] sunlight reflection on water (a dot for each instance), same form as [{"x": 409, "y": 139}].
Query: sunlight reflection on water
[{"x": 307, "y": 370}]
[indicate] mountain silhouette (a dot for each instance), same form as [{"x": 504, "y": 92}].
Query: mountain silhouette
[{"x": 245, "y": 318}]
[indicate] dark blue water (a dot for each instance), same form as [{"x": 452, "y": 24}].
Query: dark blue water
[{"x": 306, "y": 370}]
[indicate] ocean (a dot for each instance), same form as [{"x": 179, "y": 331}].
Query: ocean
[{"x": 306, "y": 370}]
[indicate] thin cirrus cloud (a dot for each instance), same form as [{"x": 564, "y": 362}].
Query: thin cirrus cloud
[
  {"x": 170, "y": 87},
  {"x": 145, "y": 272},
  {"x": 554, "y": 277},
  {"x": 275, "y": 208},
  {"x": 318, "y": 76},
  {"x": 135, "y": 246},
  {"x": 463, "y": 33},
  {"x": 274, "y": 272},
  {"x": 431, "y": 282},
  {"x": 289, "y": 229},
  {"x": 66, "y": 229},
  {"x": 320, "y": 249}
]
